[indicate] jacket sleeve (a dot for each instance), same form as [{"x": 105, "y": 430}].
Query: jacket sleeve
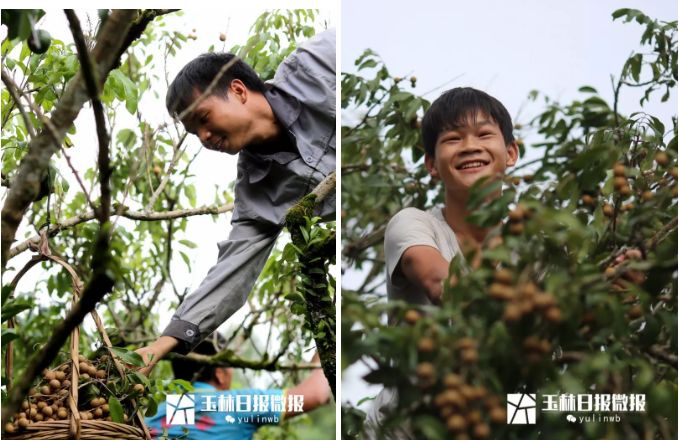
[
  {"x": 227, "y": 285},
  {"x": 309, "y": 73}
]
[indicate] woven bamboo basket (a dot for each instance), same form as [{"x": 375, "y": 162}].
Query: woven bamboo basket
[{"x": 74, "y": 427}]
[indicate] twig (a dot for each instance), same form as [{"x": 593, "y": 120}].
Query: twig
[
  {"x": 166, "y": 178},
  {"x": 14, "y": 91},
  {"x": 123, "y": 211},
  {"x": 77, "y": 177},
  {"x": 225, "y": 359},
  {"x": 659, "y": 352},
  {"x": 324, "y": 188},
  {"x": 104, "y": 161}
]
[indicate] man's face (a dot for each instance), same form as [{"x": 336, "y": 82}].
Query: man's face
[
  {"x": 222, "y": 123},
  {"x": 465, "y": 154}
]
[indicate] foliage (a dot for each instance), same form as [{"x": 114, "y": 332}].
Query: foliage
[
  {"x": 576, "y": 292},
  {"x": 152, "y": 173}
]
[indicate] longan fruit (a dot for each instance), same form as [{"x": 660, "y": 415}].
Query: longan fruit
[
  {"x": 24, "y": 423},
  {"x": 647, "y": 196},
  {"x": 55, "y": 384},
  {"x": 512, "y": 313},
  {"x": 544, "y": 300},
  {"x": 516, "y": 228},
  {"x": 41, "y": 405},
  {"x": 100, "y": 374},
  {"x": 452, "y": 380},
  {"x": 619, "y": 183},
  {"x": 83, "y": 367},
  {"x": 425, "y": 345},
  {"x": 25, "y": 405},
  {"x": 516, "y": 214},
  {"x": 84, "y": 377},
  {"x": 553, "y": 314},
  {"x": 619, "y": 170},
  {"x": 59, "y": 375},
  {"x": 412, "y": 316},
  {"x": 625, "y": 191},
  {"x": 498, "y": 415},
  {"x": 481, "y": 430},
  {"x": 588, "y": 200},
  {"x": 48, "y": 411},
  {"x": 456, "y": 423},
  {"x": 635, "y": 312},
  {"x": 504, "y": 276},
  {"x": 104, "y": 407},
  {"x": 474, "y": 416},
  {"x": 500, "y": 292},
  {"x": 465, "y": 343},
  {"x": 38, "y": 417},
  {"x": 469, "y": 356},
  {"x": 94, "y": 402},
  {"x": 49, "y": 375},
  {"x": 66, "y": 383},
  {"x": 98, "y": 412},
  {"x": 45, "y": 390},
  {"x": 662, "y": 158},
  {"x": 608, "y": 210},
  {"x": 139, "y": 388},
  {"x": 425, "y": 371},
  {"x": 9, "y": 428}
]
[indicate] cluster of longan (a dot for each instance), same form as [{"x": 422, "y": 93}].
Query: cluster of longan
[
  {"x": 49, "y": 400},
  {"x": 523, "y": 298}
]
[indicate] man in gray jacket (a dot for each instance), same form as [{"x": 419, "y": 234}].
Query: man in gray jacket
[{"x": 284, "y": 133}]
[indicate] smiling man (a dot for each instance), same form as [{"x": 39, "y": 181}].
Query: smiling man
[
  {"x": 467, "y": 136},
  {"x": 284, "y": 134}
]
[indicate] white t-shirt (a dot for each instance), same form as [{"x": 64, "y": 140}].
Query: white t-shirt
[
  {"x": 409, "y": 227},
  {"x": 414, "y": 227}
]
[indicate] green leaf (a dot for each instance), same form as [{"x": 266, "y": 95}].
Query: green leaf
[
  {"x": 152, "y": 407},
  {"x": 115, "y": 410},
  {"x": 129, "y": 357},
  {"x": 188, "y": 243}
]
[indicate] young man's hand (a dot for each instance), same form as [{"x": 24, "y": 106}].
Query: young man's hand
[
  {"x": 156, "y": 351},
  {"x": 425, "y": 267}
]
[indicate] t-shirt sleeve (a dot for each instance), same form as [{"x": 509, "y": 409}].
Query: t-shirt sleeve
[{"x": 410, "y": 227}]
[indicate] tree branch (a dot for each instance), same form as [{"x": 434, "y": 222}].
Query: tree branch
[
  {"x": 115, "y": 37},
  {"x": 14, "y": 91},
  {"x": 122, "y": 211},
  {"x": 227, "y": 359},
  {"x": 324, "y": 188}
]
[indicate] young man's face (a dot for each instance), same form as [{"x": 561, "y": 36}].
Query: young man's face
[
  {"x": 222, "y": 123},
  {"x": 465, "y": 154}
]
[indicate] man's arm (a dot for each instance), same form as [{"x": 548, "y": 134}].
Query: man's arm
[
  {"x": 315, "y": 389},
  {"x": 426, "y": 268},
  {"x": 223, "y": 291}
]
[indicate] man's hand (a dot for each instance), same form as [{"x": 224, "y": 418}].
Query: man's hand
[{"x": 154, "y": 352}]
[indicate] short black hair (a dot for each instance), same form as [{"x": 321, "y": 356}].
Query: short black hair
[
  {"x": 199, "y": 73},
  {"x": 454, "y": 107},
  {"x": 189, "y": 370}
]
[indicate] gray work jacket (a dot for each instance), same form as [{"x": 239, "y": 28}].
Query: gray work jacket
[{"x": 302, "y": 96}]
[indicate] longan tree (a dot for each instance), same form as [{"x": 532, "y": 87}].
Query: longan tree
[{"x": 575, "y": 289}]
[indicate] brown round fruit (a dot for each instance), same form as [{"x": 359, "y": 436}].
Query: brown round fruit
[
  {"x": 516, "y": 228},
  {"x": 9, "y": 428},
  {"x": 498, "y": 415},
  {"x": 59, "y": 375},
  {"x": 412, "y": 316},
  {"x": 516, "y": 214},
  {"x": 500, "y": 292},
  {"x": 512, "y": 313},
  {"x": 482, "y": 431},
  {"x": 62, "y": 413},
  {"x": 101, "y": 374},
  {"x": 504, "y": 276},
  {"x": 55, "y": 384},
  {"x": 425, "y": 371},
  {"x": 456, "y": 423},
  {"x": 222, "y": 36},
  {"x": 619, "y": 183},
  {"x": 49, "y": 375},
  {"x": 452, "y": 380},
  {"x": 608, "y": 210},
  {"x": 48, "y": 411},
  {"x": 24, "y": 423},
  {"x": 138, "y": 388},
  {"x": 625, "y": 191},
  {"x": 619, "y": 170},
  {"x": 45, "y": 390},
  {"x": 469, "y": 356},
  {"x": 588, "y": 200},
  {"x": 635, "y": 312},
  {"x": 647, "y": 196},
  {"x": 662, "y": 158},
  {"x": 425, "y": 345},
  {"x": 553, "y": 314},
  {"x": 465, "y": 343}
]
